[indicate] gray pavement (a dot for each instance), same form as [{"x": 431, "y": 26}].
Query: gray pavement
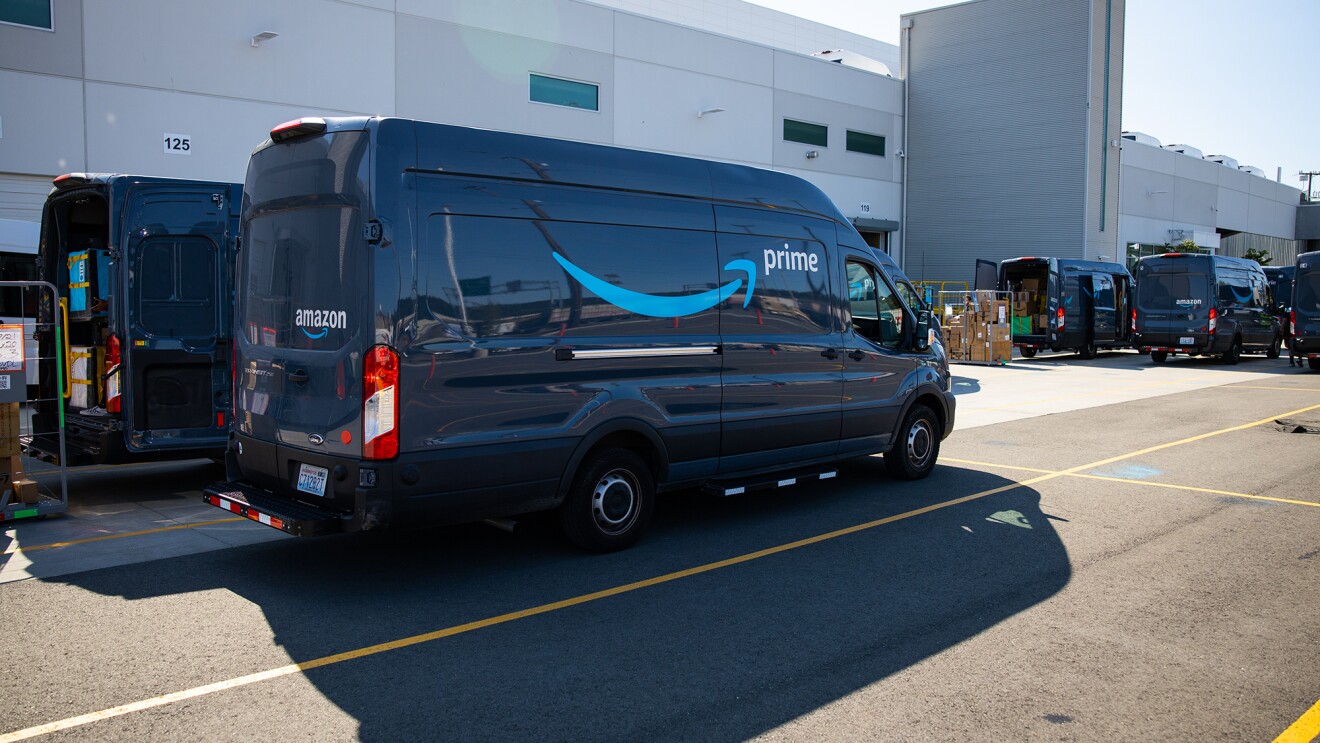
[{"x": 1153, "y": 576}]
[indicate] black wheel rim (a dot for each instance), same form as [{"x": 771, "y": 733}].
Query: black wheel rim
[
  {"x": 614, "y": 502},
  {"x": 920, "y": 444}
]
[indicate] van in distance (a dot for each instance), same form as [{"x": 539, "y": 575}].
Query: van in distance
[
  {"x": 1200, "y": 304},
  {"x": 439, "y": 324},
  {"x": 1305, "y": 316}
]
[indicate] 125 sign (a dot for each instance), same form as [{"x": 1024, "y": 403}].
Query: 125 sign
[{"x": 178, "y": 144}]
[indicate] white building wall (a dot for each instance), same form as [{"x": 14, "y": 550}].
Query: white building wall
[{"x": 117, "y": 75}]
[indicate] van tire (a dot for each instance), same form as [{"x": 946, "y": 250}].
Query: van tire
[
  {"x": 1234, "y": 352},
  {"x": 1087, "y": 352},
  {"x": 1027, "y": 352},
  {"x": 1273, "y": 351},
  {"x": 1159, "y": 357},
  {"x": 1314, "y": 364},
  {"x": 610, "y": 503},
  {"x": 917, "y": 446}
]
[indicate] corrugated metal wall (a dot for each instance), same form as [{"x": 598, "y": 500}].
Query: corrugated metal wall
[
  {"x": 1282, "y": 252},
  {"x": 21, "y": 196},
  {"x": 998, "y": 132}
]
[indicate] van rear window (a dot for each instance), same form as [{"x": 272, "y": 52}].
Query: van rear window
[
  {"x": 1172, "y": 291},
  {"x": 304, "y": 270},
  {"x": 1306, "y": 293}
]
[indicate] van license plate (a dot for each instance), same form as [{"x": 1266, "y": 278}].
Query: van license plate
[
  {"x": 1186, "y": 341},
  {"x": 312, "y": 479}
]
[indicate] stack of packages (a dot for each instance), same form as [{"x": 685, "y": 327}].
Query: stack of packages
[{"x": 981, "y": 332}]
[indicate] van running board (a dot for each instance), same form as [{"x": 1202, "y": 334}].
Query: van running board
[
  {"x": 782, "y": 480},
  {"x": 298, "y": 519}
]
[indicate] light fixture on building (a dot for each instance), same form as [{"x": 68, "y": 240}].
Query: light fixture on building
[
  {"x": 705, "y": 111},
  {"x": 812, "y": 154},
  {"x": 263, "y": 36}
]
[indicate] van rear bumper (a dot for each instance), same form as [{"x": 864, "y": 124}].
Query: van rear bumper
[{"x": 299, "y": 519}]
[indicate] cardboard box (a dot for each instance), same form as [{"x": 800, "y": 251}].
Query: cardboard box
[
  {"x": 1000, "y": 333},
  {"x": 1030, "y": 285},
  {"x": 1001, "y": 352}
]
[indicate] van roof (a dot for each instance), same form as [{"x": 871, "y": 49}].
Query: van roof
[{"x": 445, "y": 148}]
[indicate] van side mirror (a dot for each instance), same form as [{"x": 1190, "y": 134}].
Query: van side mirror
[{"x": 922, "y": 336}]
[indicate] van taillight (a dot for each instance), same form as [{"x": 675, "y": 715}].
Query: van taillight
[
  {"x": 380, "y": 404},
  {"x": 1134, "y": 320},
  {"x": 1060, "y": 323},
  {"x": 1292, "y": 322},
  {"x": 1214, "y": 320},
  {"x": 112, "y": 359}
]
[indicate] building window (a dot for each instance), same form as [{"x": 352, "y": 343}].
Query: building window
[
  {"x": 34, "y": 13},
  {"x": 869, "y": 144},
  {"x": 559, "y": 92},
  {"x": 801, "y": 131}
]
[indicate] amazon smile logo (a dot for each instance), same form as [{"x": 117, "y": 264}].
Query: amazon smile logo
[
  {"x": 653, "y": 306},
  {"x": 321, "y": 320}
]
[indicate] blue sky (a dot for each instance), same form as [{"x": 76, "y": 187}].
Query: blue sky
[{"x": 1229, "y": 77}]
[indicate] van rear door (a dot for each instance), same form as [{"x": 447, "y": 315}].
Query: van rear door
[
  {"x": 1173, "y": 301},
  {"x": 174, "y": 324},
  {"x": 303, "y": 323},
  {"x": 1306, "y": 299}
]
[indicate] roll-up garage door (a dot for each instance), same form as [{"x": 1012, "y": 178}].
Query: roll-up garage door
[{"x": 21, "y": 196}]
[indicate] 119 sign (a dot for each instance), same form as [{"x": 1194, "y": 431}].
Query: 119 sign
[{"x": 178, "y": 144}]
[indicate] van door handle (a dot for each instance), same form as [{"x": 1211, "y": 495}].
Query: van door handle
[
  {"x": 830, "y": 354},
  {"x": 298, "y": 377},
  {"x": 857, "y": 354}
]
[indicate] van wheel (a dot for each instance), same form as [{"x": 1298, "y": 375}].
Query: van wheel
[
  {"x": 1314, "y": 364},
  {"x": 610, "y": 502},
  {"x": 918, "y": 446},
  {"x": 1273, "y": 351},
  {"x": 1087, "y": 351},
  {"x": 1027, "y": 352},
  {"x": 1234, "y": 352},
  {"x": 1159, "y": 357}
]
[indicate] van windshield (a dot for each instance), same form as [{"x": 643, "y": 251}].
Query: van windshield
[
  {"x": 1172, "y": 291},
  {"x": 1306, "y": 293}
]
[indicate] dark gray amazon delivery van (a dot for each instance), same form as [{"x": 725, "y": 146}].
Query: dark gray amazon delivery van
[
  {"x": 1305, "y": 316},
  {"x": 438, "y": 324},
  {"x": 1200, "y": 304}
]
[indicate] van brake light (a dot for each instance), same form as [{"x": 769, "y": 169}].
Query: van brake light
[
  {"x": 1134, "y": 319},
  {"x": 1292, "y": 323},
  {"x": 380, "y": 403},
  {"x": 1060, "y": 323},
  {"x": 69, "y": 180},
  {"x": 113, "y": 400},
  {"x": 1173, "y": 255},
  {"x": 1214, "y": 320},
  {"x": 297, "y": 128}
]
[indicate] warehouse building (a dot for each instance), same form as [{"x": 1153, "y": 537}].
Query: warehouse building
[{"x": 1014, "y": 144}]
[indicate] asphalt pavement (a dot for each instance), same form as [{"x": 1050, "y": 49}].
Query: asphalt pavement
[{"x": 1109, "y": 550}]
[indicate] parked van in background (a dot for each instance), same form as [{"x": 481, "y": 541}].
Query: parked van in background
[
  {"x": 1305, "y": 316},
  {"x": 1071, "y": 304},
  {"x": 442, "y": 324},
  {"x": 1201, "y": 304},
  {"x": 1281, "y": 290},
  {"x": 143, "y": 267}
]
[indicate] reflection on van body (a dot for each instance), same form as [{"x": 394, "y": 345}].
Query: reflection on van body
[
  {"x": 443, "y": 324},
  {"x": 1203, "y": 304}
]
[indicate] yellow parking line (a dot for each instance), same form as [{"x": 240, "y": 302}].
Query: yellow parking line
[
  {"x": 1305, "y": 730},
  {"x": 1134, "y": 482},
  {"x": 123, "y": 535},
  {"x": 253, "y": 678}
]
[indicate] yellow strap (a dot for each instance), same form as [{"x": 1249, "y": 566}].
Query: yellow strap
[
  {"x": 76, "y": 258},
  {"x": 82, "y": 381},
  {"x": 80, "y": 285},
  {"x": 80, "y": 355}
]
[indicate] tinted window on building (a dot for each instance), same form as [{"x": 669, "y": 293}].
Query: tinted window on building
[
  {"x": 35, "y": 13},
  {"x": 869, "y": 144},
  {"x": 559, "y": 92},
  {"x": 791, "y": 294},
  {"x": 489, "y": 277},
  {"x": 801, "y": 131},
  {"x": 173, "y": 286}
]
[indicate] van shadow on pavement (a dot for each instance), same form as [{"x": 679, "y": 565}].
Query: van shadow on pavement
[{"x": 724, "y": 655}]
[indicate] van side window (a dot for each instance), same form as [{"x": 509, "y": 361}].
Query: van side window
[
  {"x": 875, "y": 310},
  {"x": 792, "y": 292},
  {"x": 506, "y": 281},
  {"x": 1234, "y": 288},
  {"x": 911, "y": 297}
]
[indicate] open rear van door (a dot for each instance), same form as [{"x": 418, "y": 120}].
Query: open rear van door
[
  {"x": 173, "y": 329},
  {"x": 987, "y": 275}
]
